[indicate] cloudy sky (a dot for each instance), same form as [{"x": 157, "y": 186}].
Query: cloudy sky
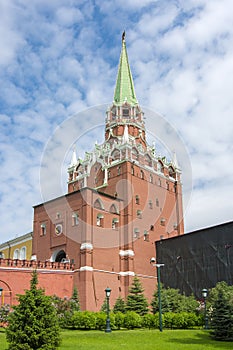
[{"x": 60, "y": 57}]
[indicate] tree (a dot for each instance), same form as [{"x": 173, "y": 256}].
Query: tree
[
  {"x": 136, "y": 300},
  {"x": 119, "y": 305},
  {"x": 33, "y": 324},
  {"x": 222, "y": 318}
]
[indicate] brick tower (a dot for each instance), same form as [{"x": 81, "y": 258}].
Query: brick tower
[{"x": 122, "y": 197}]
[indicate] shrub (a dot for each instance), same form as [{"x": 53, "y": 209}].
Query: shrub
[
  {"x": 101, "y": 320},
  {"x": 132, "y": 320},
  {"x": 119, "y": 320},
  {"x": 150, "y": 321},
  {"x": 182, "y": 320},
  {"x": 83, "y": 320}
]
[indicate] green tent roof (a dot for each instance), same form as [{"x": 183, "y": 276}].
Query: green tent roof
[{"x": 124, "y": 90}]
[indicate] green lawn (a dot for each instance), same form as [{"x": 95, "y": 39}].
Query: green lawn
[{"x": 136, "y": 340}]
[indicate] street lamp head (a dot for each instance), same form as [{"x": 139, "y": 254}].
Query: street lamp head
[
  {"x": 204, "y": 292},
  {"x": 108, "y": 292}
]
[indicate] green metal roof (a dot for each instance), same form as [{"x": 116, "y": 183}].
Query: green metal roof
[{"x": 124, "y": 90}]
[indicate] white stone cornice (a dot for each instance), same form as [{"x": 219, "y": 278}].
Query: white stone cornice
[
  {"x": 86, "y": 245},
  {"x": 128, "y": 252},
  {"x": 127, "y": 273},
  {"x": 86, "y": 268}
]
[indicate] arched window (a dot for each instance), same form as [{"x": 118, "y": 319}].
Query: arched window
[
  {"x": 150, "y": 204},
  {"x": 23, "y": 253},
  {"x": 142, "y": 174},
  {"x": 16, "y": 254},
  {"x": 160, "y": 167},
  {"x": 151, "y": 179},
  {"x": 139, "y": 214},
  {"x": 171, "y": 172},
  {"x": 148, "y": 160}
]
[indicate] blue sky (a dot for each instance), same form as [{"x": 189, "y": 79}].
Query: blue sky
[{"x": 60, "y": 57}]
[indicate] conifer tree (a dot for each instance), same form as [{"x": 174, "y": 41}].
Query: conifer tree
[
  {"x": 222, "y": 318},
  {"x": 33, "y": 323},
  {"x": 136, "y": 300},
  {"x": 119, "y": 305}
]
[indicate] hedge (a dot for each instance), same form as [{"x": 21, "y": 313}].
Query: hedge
[{"x": 87, "y": 320}]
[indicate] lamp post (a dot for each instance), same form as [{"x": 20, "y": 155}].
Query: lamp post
[
  {"x": 108, "y": 328},
  {"x": 152, "y": 261},
  {"x": 204, "y": 294}
]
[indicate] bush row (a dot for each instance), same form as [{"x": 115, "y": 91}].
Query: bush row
[{"x": 87, "y": 320}]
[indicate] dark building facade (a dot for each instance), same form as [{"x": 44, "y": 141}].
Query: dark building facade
[{"x": 198, "y": 259}]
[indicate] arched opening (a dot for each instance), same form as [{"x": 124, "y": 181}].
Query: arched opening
[{"x": 60, "y": 256}]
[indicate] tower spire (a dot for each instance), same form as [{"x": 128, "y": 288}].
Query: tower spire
[{"x": 124, "y": 89}]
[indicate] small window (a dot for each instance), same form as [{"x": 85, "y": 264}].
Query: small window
[
  {"x": 146, "y": 236},
  {"x": 136, "y": 233},
  {"x": 157, "y": 202},
  {"x": 43, "y": 229},
  {"x": 139, "y": 214},
  {"x": 115, "y": 223},
  {"x": 159, "y": 182},
  {"x": 137, "y": 199},
  {"x": 167, "y": 184},
  {"x": 132, "y": 170},
  {"x": 152, "y": 227},
  {"x": 99, "y": 220},
  {"x": 150, "y": 204},
  {"x": 75, "y": 219},
  {"x": 162, "y": 221},
  {"x": 119, "y": 170},
  {"x": 151, "y": 179},
  {"x": 109, "y": 174},
  {"x": 142, "y": 174},
  {"x": 58, "y": 215}
]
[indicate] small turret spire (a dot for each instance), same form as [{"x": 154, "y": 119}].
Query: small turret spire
[
  {"x": 124, "y": 90},
  {"x": 74, "y": 158}
]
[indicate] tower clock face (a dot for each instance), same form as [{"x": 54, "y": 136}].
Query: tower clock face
[{"x": 58, "y": 229}]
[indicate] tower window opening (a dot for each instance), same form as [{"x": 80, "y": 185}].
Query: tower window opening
[
  {"x": 139, "y": 214},
  {"x": 125, "y": 112},
  {"x": 142, "y": 174},
  {"x": 136, "y": 233},
  {"x": 150, "y": 204},
  {"x": 157, "y": 202},
  {"x": 115, "y": 223},
  {"x": 75, "y": 219},
  {"x": 43, "y": 229},
  {"x": 137, "y": 199},
  {"x": 151, "y": 179},
  {"x": 100, "y": 220}
]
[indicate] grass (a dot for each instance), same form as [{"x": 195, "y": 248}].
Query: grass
[{"x": 136, "y": 340}]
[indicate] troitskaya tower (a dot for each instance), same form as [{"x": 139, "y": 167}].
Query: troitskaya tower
[{"x": 121, "y": 198}]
